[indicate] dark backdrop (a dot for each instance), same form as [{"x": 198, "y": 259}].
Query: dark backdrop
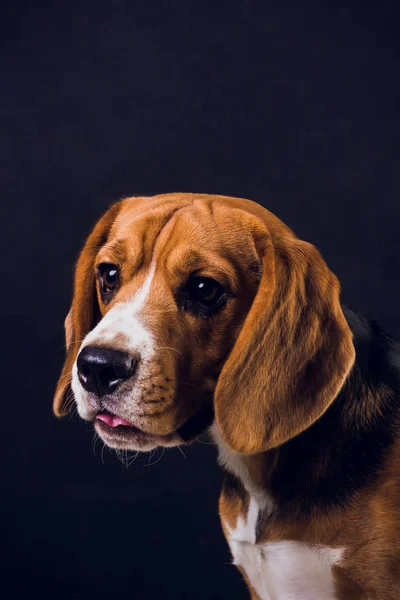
[{"x": 294, "y": 105}]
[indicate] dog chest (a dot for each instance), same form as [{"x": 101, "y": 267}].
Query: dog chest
[{"x": 284, "y": 570}]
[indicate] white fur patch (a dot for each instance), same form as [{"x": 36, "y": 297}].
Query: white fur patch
[
  {"x": 123, "y": 318},
  {"x": 233, "y": 462},
  {"x": 245, "y": 528},
  {"x": 285, "y": 570}
]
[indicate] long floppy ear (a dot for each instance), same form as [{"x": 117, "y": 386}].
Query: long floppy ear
[
  {"x": 84, "y": 312},
  {"x": 292, "y": 354}
]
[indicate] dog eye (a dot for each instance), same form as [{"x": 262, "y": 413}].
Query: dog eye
[
  {"x": 203, "y": 295},
  {"x": 109, "y": 277}
]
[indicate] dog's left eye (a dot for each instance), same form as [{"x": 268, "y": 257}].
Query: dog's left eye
[
  {"x": 203, "y": 295},
  {"x": 109, "y": 278}
]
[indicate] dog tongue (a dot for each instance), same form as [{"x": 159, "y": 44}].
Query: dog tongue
[{"x": 112, "y": 421}]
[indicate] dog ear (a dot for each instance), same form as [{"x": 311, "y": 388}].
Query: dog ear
[
  {"x": 292, "y": 354},
  {"x": 84, "y": 312}
]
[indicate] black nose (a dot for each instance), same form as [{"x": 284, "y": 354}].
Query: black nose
[{"x": 101, "y": 370}]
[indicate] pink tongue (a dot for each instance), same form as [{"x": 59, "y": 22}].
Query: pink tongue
[{"x": 112, "y": 421}]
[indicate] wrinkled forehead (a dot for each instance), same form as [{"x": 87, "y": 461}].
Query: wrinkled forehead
[{"x": 179, "y": 235}]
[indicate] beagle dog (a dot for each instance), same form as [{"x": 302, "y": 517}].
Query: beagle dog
[{"x": 194, "y": 312}]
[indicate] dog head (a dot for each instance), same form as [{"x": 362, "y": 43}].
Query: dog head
[{"x": 189, "y": 305}]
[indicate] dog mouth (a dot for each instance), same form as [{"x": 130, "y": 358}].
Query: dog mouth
[{"x": 118, "y": 433}]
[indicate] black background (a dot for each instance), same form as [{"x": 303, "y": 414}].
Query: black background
[{"x": 294, "y": 105}]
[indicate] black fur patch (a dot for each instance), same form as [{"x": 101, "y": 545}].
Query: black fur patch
[
  {"x": 345, "y": 452},
  {"x": 197, "y": 424},
  {"x": 233, "y": 487}
]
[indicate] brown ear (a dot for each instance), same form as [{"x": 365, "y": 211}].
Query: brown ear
[
  {"x": 293, "y": 353},
  {"x": 84, "y": 312}
]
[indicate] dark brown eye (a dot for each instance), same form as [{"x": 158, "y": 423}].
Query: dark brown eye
[
  {"x": 109, "y": 277},
  {"x": 204, "y": 296}
]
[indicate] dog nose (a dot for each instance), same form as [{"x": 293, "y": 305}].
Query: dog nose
[{"x": 101, "y": 370}]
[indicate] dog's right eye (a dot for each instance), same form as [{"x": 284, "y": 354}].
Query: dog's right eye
[
  {"x": 109, "y": 279},
  {"x": 203, "y": 296}
]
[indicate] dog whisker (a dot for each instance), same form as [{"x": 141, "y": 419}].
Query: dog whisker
[
  {"x": 67, "y": 376},
  {"x": 65, "y": 347},
  {"x": 132, "y": 460},
  {"x": 168, "y": 348},
  {"x": 156, "y": 401},
  {"x": 151, "y": 464},
  {"x": 102, "y": 454},
  {"x": 150, "y": 457},
  {"x": 94, "y": 443},
  {"x": 205, "y": 443},
  {"x": 181, "y": 451}
]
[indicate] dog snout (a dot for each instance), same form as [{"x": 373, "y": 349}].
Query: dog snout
[{"x": 101, "y": 369}]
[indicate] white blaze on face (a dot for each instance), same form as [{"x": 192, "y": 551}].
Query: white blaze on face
[{"x": 124, "y": 318}]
